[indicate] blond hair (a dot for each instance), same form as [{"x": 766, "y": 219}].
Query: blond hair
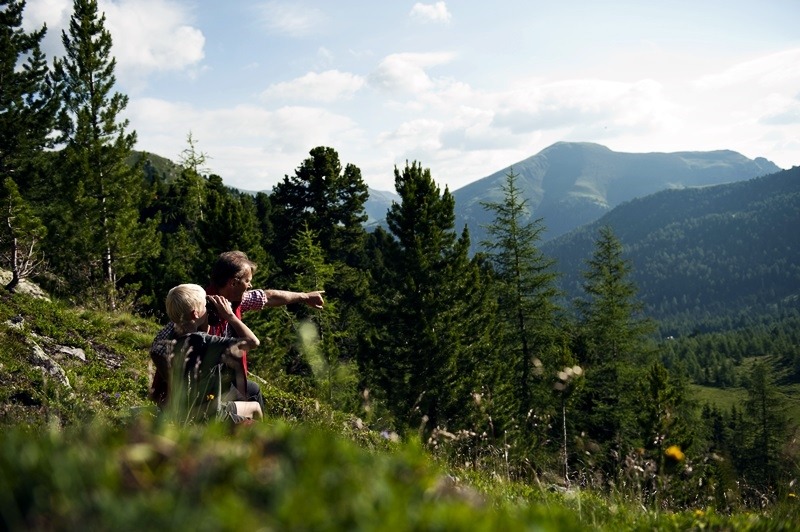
[{"x": 182, "y": 300}]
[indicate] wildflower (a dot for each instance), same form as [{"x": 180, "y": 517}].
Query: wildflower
[
  {"x": 699, "y": 513},
  {"x": 210, "y": 397},
  {"x": 674, "y": 452},
  {"x": 792, "y": 496}
]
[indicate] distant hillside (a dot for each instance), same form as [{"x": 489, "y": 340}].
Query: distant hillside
[
  {"x": 154, "y": 165},
  {"x": 570, "y": 184},
  {"x": 703, "y": 252}
]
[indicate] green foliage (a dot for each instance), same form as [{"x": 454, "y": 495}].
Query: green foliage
[
  {"x": 20, "y": 235},
  {"x": 432, "y": 334},
  {"x": 707, "y": 258},
  {"x": 326, "y": 199},
  {"x": 95, "y": 232},
  {"x": 28, "y": 102},
  {"x": 524, "y": 281}
]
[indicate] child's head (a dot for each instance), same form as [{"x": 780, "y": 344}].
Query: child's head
[{"x": 183, "y": 300}]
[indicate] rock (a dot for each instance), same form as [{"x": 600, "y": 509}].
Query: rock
[
  {"x": 24, "y": 286},
  {"x": 76, "y": 352},
  {"x": 49, "y": 366}
]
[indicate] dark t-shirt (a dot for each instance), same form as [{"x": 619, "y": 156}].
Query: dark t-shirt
[{"x": 203, "y": 353}]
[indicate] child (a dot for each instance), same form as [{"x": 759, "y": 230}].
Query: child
[{"x": 198, "y": 353}]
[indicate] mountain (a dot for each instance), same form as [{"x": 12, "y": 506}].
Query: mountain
[
  {"x": 720, "y": 251},
  {"x": 378, "y": 203},
  {"x": 573, "y": 183}
]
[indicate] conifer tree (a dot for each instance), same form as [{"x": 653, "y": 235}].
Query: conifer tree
[
  {"x": 20, "y": 235},
  {"x": 665, "y": 415},
  {"x": 320, "y": 330},
  {"x": 526, "y": 291},
  {"x": 612, "y": 335},
  {"x": 96, "y": 227},
  {"x": 229, "y": 222},
  {"x": 327, "y": 199},
  {"x": 28, "y": 102},
  {"x": 613, "y": 327},
  {"x": 765, "y": 428},
  {"x": 435, "y": 322}
]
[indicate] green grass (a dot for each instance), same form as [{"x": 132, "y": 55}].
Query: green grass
[
  {"x": 94, "y": 456},
  {"x": 725, "y": 398},
  {"x": 722, "y": 398}
]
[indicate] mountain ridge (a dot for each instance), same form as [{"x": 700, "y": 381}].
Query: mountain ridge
[{"x": 569, "y": 184}]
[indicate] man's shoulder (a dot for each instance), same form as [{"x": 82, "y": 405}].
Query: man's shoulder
[{"x": 255, "y": 299}]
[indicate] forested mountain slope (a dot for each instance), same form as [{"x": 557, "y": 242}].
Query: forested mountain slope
[
  {"x": 703, "y": 253},
  {"x": 573, "y": 183}
]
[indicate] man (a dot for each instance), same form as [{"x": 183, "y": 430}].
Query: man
[{"x": 231, "y": 277}]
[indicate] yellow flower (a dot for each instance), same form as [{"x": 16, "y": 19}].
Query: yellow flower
[
  {"x": 792, "y": 496},
  {"x": 699, "y": 513},
  {"x": 674, "y": 452},
  {"x": 210, "y": 397}
]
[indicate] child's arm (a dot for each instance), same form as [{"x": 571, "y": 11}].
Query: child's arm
[{"x": 240, "y": 330}]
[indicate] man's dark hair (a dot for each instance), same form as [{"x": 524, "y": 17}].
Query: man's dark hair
[{"x": 230, "y": 265}]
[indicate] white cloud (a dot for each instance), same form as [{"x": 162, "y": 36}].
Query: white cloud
[
  {"x": 251, "y": 147},
  {"x": 290, "y": 18},
  {"x": 152, "y": 35},
  {"x": 431, "y": 12},
  {"x": 328, "y": 86},
  {"x": 778, "y": 69},
  {"x": 405, "y": 72},
  {"x": 582, "y": 103},
  {"x": 55, "y": 13},
  {"x": 148, "y": 35}
]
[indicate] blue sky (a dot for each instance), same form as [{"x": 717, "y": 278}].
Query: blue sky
[{"x": 464, "y": 87}]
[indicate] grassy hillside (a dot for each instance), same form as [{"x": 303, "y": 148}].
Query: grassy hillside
[{"x": 81, "y": 449}]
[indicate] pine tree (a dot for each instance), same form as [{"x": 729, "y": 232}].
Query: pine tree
[
  {"x": 96, "y": 227},
  {"x": 526, "y": 291},
  {"x": 28, "y": 102},
  {"x": 230, "y": 222},
  {"x": 435, "y": 324},
  {"x": 20, "y": 235},
  {"x": 325, "y": 198},
  {"x": 328, "y": 200}
]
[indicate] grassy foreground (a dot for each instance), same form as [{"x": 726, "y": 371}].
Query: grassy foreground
[{"x": 80, "y": 449}]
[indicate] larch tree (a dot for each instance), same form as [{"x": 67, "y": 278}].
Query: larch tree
[
  {"x": 765, "y": 428},
  {"x": 526, "y": 292},
  {"x": 611, "y": 336},
  {"x": 96, "y": 225}
]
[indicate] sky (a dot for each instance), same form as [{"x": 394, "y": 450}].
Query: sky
[{"x": 463, "y": 87}]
